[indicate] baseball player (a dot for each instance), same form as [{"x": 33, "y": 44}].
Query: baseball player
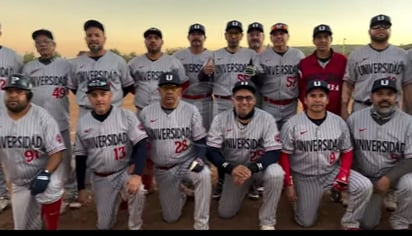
[
  {"x": 31, "y": 147},
  {"x": 10, "y": 63},
  {"x": 112, "y": 143},
  {"x": 323, "y": 64},
  {"x": 376, "y": 60},
  {"x": 246, "y": 150},
  {"x": 383, "y": 148},
  {"x": 193, "y": 58},
  {"x": 178, "y": 148},
  {"x": 317, "y": 154},
  {"x": 98, "y": 62},
  {"x": 49, "y": 75},
  {"x": 407, "y": 94}
]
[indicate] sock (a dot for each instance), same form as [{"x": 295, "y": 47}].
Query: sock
[{"x": 50, "y": 214}]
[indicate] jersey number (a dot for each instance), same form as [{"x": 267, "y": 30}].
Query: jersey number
[
  {"x": 242, "y": 77},
  {"x": 2, "y": 83},
  {"x": 30, "y": 155},
  {"x": 332, "y": 158},
  {"x": 181, "y": 146},
  {"x": 119, "y": 153},
  {"x": 59, "y": 92},
  {"x": 290, "y": 82}
]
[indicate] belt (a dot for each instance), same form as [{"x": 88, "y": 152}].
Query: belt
[
  {"x": 279, "y": 102},
  {"x": 223, "y": 97},
  {"x": 196, "y": 96},
  {"x": 165, "y": 167},
  {"x": 367, "y": 103},
  {"x": 104, "y": 174}
]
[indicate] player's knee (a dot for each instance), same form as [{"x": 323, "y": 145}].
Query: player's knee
[
  {"x": 171, "y": 217},
  {"x": 274, "y": 174},
  {"x": 226, "y": 213},
  {"x": 305, "y": 222}
]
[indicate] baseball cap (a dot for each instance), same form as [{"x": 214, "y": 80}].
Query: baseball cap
[
  {"x": 93, "y": 23},
  {"x": 384, "y": 83},
  {"x": 234, "y": 24},
  {"x": 380, "y": 20},
  {"x": 255, "y": 26},
  {"x": 44, "y": 32},
  {"x": 18, "y": 81},
  {"x": 322, "y": 29},
  {"x": 279, "y": 26},
  {"x": 314, "y": 84},
  {"x": 100, "y": 83},
  {"x": 249, "y": 85},
  {"x": 153, "y": 30},
  {"x": 169, "y": 78},
  {"x": 197, "y": 28}
]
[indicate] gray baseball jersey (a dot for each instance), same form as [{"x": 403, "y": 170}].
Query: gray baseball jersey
[
  {"x": 366, "y": 65},
  {"x": 10, "y": 63},
  {"x": 172, "y": 137},
  {"x": 146, "y": 74},
  {"x": 314, "y": 153},
  {"x": 110, "y": 66},
  {"x": 244, "y": 144},
  {"x": 108, "y": 146}
]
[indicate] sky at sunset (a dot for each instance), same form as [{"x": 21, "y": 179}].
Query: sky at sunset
[{"x": 126, "y": 20}]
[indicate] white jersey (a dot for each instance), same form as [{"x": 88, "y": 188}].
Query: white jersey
[
  {"x": 315, "y": 150},
  {"x": 146, "y": 74},
  {"x": 172, "y": 135},
  {"x": 110, "y": 65},
  {"x": 27, "y": 143},
  {"x": 108, "y": 145},
  {"x": 379, "y": 147},
  {"x": 50, "y": 88},
  {"x": 281, "y": 73},
  {"x": 10, "y": 63},
  {"x": 243, "y": 144}
]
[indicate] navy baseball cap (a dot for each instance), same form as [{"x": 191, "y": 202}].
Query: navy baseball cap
[
  {"x": 249, "y": 85},
  {"x": 154, "y": 31},
  {"x": 234, "y": 24},
  {"x": 44, "y": 32},
  {"x": 169, "y": 78},
  {"x": 255, "y": 26},
  {"x": 380, "y": 20},
  {"x": 314, "y": 84},
  {"x": 384, "y": 83},
  {"x": 93, "y": 23},
  {"x": 279, "y": 26},
  {"x": 100, "y": 83},
  {"x": 322, "y": 29},
  {"x": 197, "y": 28}
]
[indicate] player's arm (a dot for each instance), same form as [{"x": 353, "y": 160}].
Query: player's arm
[
  {"x": 270, "y": 157},
  {"x": 347, "y": 89},
  {"x": 208, "y": 70},
  {"x": 401, "y": 168},
  {"x": 139, "y": 156},
  {"x": 54, "y": 161},
  {"x": 216, "y": 157},
  {"x": 81, "y": 171},
  {"x": 285, "y": 164},
  {"x": 128, "y": 89},
  {"x": 200, "y": 148}
]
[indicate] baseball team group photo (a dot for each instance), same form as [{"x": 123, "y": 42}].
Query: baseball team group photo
[{"x": 258, "y": 137}]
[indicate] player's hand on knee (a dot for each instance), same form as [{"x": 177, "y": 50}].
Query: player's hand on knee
[
  {"x": 197, "y": 165},
  {"x": 133, "y": 184},
  {"x": 341, "y": 181},
  {"x": 383, "y": 185},
  {"x": 40, "y": 182}
]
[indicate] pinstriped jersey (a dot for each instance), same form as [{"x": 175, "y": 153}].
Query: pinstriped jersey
[
  {"x": 366, "y": 65},
  {"x": 110, "y": 65},
  {"x": 313, "y": 149},
  {"x": 146, "y": 74},
  {"x": 108, "y": 144},
  {"x": 242, "y": 144},
  {"x": 10, "y": 63},
  {"x": 193, "y": 64},
  {"x": 50, "y": 88},
  {"x": 231, "y": 67},
  {"x": 280, "y": 73},
  {"x": 172, "y": 134},
  {"x": 26, "y": 143},
  {"x": 379, "y": 147}
]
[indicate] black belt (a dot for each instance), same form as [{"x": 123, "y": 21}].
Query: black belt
[
  {"x": 367, "y": 103},
  {"x": 165, "y": 167}
]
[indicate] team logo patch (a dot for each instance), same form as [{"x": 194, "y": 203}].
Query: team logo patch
[
  {"x": 86, "y": 131},
  {"x": 140, "y": 127},
  {"x": 277, "y": 138},
  {"x": 59, "y": 138}
]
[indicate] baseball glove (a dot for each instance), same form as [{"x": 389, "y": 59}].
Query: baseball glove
[{"x": 40, "y": 182}]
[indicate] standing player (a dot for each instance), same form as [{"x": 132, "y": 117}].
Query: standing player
[
  {"x": 383, "y": 148},
  {"x": 323, "y": 64},
  {"x": 98, "y": 62},
  {"x": 31, "y": 149},
  {"x": 317, "y": 153},
  {"x": 10, "y": 63},
  {"x": 178, "y": 152},
  {"x": 49, "y": 75},
  {"x": 112, "y": 143},
  {"x": 279, "y": 83},
  {"x": 246, "y": 150}
]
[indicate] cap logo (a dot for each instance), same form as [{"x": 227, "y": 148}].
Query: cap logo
[
  {"x": 384, "y": 82},
  {"x": 255, "y": 25},
  {"x": 244, "y": 83},
  {"x": 316, "y": 83},
  {"x": 97, "y": 83},
  {"x": 380, "y": 18},
  {"x": 196, "y": 27},
  {"x": 14, "y": 80},
  {"x": 169, "y": 77},
  {"x": 234, "y": 23},
  {"x": 321, "y": 28}
]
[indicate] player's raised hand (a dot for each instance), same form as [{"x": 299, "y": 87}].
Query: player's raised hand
[{"x": 209, "y": 67}]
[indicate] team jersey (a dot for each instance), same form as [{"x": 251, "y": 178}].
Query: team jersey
[{"x": 10, "y": 63}]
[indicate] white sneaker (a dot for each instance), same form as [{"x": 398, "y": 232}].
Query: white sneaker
[
  {"x": 389, "y": 201},
  {"x": 4, "y": 203},
  {"x": 267, "y": 227},
  {"x": 63, "y": 207}
]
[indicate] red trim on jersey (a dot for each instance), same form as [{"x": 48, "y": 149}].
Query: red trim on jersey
[
  {"x": 333, "y": 74},
  {"x": 185, "y": 85},
  {"x": 284, "y": 162}
]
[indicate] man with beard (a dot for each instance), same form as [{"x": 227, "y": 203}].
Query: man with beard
[
  {"x": 98, "y": 62},
  {"x": 383, "y": 149}
]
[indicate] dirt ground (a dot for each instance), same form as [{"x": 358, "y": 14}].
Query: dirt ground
[{"x": 247, "y": 219}]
